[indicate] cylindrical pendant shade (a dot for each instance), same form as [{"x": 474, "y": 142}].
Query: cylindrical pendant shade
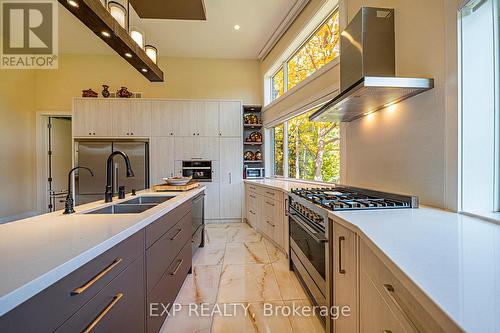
[
  {"x": 138, "y": 36},
  {"x": 119, "y": 13},
  {"x": 152, "y": 53}
]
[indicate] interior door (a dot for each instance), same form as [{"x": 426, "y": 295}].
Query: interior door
[{"x": 59, "y": 160}]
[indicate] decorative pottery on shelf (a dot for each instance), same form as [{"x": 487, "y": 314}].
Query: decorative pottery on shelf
[
  {"x": 258, "y": 155},
  {"x": 249, "y": 156},
  {"x": 89, "y": 93},
  {"x": 255, "y": 137},
  {"x": 251, "y": 119},
  {"x": 105, "y": 91},
  {"x": 124, "y": 93}
]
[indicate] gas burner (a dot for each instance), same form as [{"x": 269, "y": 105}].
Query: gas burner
[{"x": 346, "y": 198}]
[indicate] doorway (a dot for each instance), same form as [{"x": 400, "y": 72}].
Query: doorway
[{"x": 54, "y": 160}]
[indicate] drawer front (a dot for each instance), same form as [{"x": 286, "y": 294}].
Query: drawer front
[
  {"x": 395, "y": 294},
  {"x": 167, "y": 288},
  {"x": 375, "y": 314},
  {"x": 156, "y": 229},
  {"x": 119, "y": 307},
  {"x": 251, "y": 188},
  {"x": 50, "y": 308},
  {"x": 270, "y": 193},
  {"x": 160, "y": 255}
]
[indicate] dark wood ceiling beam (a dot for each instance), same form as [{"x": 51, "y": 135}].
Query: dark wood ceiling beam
[{"x": 93, "y": 14}]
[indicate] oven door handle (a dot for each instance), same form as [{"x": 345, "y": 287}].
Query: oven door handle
[{"x": 315, "y": 235}]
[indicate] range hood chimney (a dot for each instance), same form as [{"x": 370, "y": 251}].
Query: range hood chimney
[{"x": 368, "y": 81}]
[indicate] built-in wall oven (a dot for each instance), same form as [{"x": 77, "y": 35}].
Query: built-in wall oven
[
  {"x": 309, "y": 247},
  {"x": 199, "y": 170}
]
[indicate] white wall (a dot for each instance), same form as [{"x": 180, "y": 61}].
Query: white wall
[{"x": 405, "y": 148}]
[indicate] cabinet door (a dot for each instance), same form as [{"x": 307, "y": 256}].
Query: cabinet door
[
  {"x": 207, "y": 119},
  {"x": 230, "y": 119},
  {"x": 165, "y": 117},
  {"x": 162, "y": 158},
  {"x": 185, "y": 114},
  {"x": 375, "y": 314},
  {"x": 212, "y": 201},
  {"x": 92, "y": 117},
  {"x": 345, "y": 266},
  {"x": 203, "y": 148},
  {"x": 184, "y": 148},
  {"x": 139, "y": 118},
  {"x": 230, "y": 201},
  {"x": 231, "y": 160},
  {"x": 120, "y": 109}
]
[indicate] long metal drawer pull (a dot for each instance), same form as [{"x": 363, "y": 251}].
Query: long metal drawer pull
[
  {"x": 270, "y": 204},
  {"x": 387, "y": 331},
  {"x": 96, "y": 278},
  {"x": 286, "y": 207},
  {"x": 179, "y": 263},
  {"x": 251, "y": 196},
  {"x": 270, "y": 193},
  {"x": 389, "y": 288},
  {"x": 103, "y": 313},
  {"x": 176, "y": 234},
  {"x": 341, "y": 241}
]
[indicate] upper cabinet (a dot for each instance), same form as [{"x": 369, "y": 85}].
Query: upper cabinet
[
  {"x": 92, "y": 117},
  {"x": 230, "y": 119},
  {"x": 157, "y": 118},
  {"x": 131, "y": 117}
]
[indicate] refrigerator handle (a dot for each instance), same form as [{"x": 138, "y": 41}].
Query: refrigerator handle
[{"x": 115, "y": 178}]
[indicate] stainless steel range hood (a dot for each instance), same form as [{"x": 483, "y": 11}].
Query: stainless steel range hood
[{"x": 368, "y": 81}]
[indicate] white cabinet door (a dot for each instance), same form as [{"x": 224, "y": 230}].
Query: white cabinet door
[
  {"x": 207, "y": 119},
  {"x": 231, "y": 177},
  {"x": 185, "y": 118},
  {"x": 184, "y": 149},
  {"x": 205, "y": 148},
  {"x": 212, "y": 201},
  {"x": 139, "y": 118},
  {"x": 230, "y": 119},
  {"x": 230, "y": 200},
  {"x": 120, "y": 108},
  {"x": 165, "y": 117},
  {"x": 92, "y": 118},
  {"x": 162, "y": 159}
]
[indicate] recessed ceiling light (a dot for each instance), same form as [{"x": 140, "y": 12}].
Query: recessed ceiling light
[
  {"x": 128, "y": 55},
  {"x": 73, "y": 3},
  {"x": 105, "y": 34},
  {"x": 144, "y": 70},
  {"x": 236, "y": 27}
]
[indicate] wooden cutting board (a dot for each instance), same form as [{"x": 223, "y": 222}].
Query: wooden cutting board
[{"x": 167, "y": 187}]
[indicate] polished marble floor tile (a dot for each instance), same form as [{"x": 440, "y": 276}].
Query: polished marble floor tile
[
  {"x": 304, "y": 321},
  {"x": 275, "y": 254},
  {"x": 211, "y": 254},
  {"x": 185, "y": 322},
  {"x": 238, "y": 235},
  {"x": 215, "y": 235},
  {"x": 246, "y": 253},
  {"x": 201, "y": 286},
  {"x": 253, "y": 318},
  {"x": 288, "y": 282},
  {"x": 248, "y": 283}
]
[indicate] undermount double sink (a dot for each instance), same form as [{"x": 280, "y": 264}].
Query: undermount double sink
[{"x": 132, "y": 206}]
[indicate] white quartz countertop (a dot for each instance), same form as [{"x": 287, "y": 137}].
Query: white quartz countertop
[
  {"x": 453, "y": 258},
  {"x": 38, "y": 251}
]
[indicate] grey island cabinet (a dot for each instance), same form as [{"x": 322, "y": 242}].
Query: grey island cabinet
[{"x": 112, "y": 292}]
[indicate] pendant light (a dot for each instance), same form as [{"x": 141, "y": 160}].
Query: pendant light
[{"x": 152, "y": 53}]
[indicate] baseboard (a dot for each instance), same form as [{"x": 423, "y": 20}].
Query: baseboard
[
  {"x": 220, "y": 221},
  {"x": 21, "y": 216}
]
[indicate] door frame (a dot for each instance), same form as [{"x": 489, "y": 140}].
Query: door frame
[{"x": 41, "y": 160}]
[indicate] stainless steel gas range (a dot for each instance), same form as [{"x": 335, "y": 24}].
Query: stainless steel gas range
[{"x": 310, "y": 232}]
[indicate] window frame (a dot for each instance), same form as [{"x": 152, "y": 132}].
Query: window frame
[{"x": 284, "y": 64}]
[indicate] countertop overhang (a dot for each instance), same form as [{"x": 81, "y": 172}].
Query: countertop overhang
[{"x": 39, "y": 251}]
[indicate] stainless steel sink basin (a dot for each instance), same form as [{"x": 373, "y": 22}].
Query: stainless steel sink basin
[
  {"x": 122, "y": 209},
  {"x": 146, "y": 200}
]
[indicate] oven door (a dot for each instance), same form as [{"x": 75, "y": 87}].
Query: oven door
[
  {"x": 198, "y": 170},
  {"x": 309, "y": 247}
]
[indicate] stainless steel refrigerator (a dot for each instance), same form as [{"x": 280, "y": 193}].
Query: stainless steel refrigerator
[{"x": 94, "y": 154}]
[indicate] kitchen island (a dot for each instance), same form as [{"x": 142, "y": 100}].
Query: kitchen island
[{"x": 41, "y": 251}]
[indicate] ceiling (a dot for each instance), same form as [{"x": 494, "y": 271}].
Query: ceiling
[{"x": 213, "y": 38}]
